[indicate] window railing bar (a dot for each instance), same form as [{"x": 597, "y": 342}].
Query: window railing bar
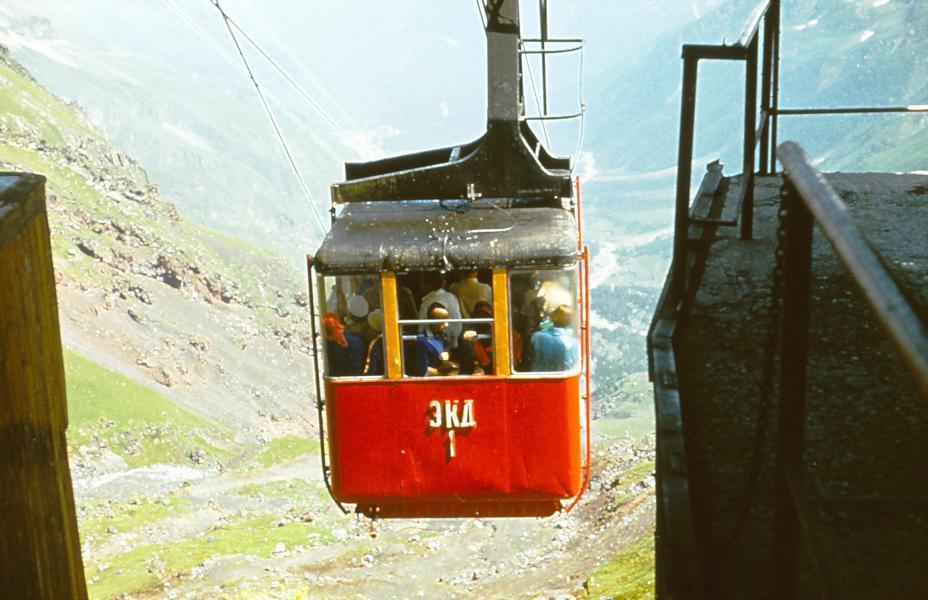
[
  {"x": 915, "y": 108},
  {"x": 412, "y": 338},
  {"x": 553, "y": 40},
  {"x": 554, "y": 117},
  {"x": 552, "y": 50},
  {"x": 434, "y": 321}
]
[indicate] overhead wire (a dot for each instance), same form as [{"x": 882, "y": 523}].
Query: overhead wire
[
  {"x": 304, "y": 70},
  {"x": 334, "y": 124},
  {"x": 483, "y": 14},
  {"x": 270, "y": 114},
  {"x": 328, "y": 119},
  {"x": 576, "y": 159},
  {"x": 531, "y": 78},
  {"x": 278, "y": 103}
]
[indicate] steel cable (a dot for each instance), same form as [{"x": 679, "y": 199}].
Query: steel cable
[
  {"x": 278, "y": 103},
  {"x": 270, "y": 114},
  {"x": 328, "y": 119}
]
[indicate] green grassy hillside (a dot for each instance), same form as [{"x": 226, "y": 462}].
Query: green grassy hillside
[{"x": 107, "y": 410}]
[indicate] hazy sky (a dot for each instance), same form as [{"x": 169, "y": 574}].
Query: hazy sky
[{"x": 399, "y": 76}]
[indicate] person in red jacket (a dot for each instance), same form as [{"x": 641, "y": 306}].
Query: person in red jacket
[{"x": 476, "y": 354}]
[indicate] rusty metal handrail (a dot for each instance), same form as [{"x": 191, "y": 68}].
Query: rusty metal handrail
[
  {"x": 677, "y": 564},
  {"x": 809, "y": 199},
  {"x": 897, "y": 317}
]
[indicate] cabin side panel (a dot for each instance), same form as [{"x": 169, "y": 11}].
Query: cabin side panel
[{"x": 438, "y": 439}]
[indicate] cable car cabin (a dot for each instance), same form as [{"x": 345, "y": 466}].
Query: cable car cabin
[
  {"x": 450, "y": 318},
  {"x": 452, "y": 348}
]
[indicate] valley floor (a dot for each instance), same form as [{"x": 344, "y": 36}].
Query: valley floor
[{"x": 272, "y": 532}]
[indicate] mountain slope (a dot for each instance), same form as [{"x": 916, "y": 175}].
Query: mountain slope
[
  {"x": 195, "y": 469},
  {"x": 135, "y": 266},
  {"x": 847, "y": 53}
]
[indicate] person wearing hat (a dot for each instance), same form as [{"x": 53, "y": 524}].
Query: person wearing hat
[
  {"x": 356, "y": 320},
  {"x": 555, "y": 348},
  {"x": 373, "y": 362}
]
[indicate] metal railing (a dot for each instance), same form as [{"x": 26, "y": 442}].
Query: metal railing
[
  {"x": 747, "y": 50},
  {"x": 758, "y": 43},
  {"x": 809, "y": 200}
]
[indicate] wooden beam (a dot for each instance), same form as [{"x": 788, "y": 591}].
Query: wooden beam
[{"x": 40, "y": 554}]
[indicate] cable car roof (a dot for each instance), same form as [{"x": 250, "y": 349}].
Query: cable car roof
[{"x": 423, "y": 235}]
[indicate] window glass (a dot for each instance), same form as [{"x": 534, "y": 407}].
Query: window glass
[
  {"x": 446, "y": 320},
  {"x": 543, "y": 316},
  {"x": 352, "y": 325}
]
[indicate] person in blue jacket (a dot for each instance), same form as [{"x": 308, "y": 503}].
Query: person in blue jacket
[
  {"x": 429, "y": 357},
  {"x": 555, "y": 348}
]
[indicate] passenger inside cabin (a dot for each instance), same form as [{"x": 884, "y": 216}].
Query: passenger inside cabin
[
  {"x": 548, "y": 292},
  {"x": 471, "y": 290},
  {"x": 344, "y": 349},
  {"x": 406, "y": 301},
  {"x": 370, "y": 293},
  {"x": 555, "y": 348},
  {"x": 356, "y": 318},
  {"x": 475, "y": 352},
  {"x": 535, "y": 296},
  {"x": 373, "y": 362},
  {"x": 433, "y": 283},
  {"x": 430, "y": 356},
  {"x": 475, "y": 349}
]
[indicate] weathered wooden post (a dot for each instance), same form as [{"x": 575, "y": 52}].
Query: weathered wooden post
[{"x": 39, "y": 546}]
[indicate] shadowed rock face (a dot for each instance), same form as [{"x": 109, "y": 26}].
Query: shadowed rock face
[{"x": 865, "y": 494}]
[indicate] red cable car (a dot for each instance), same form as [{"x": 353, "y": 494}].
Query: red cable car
[{"x": 456, "y": 398}]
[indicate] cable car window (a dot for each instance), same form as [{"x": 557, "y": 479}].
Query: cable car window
[
  {"x": 451, "y": 330},
  {"x": 352, "y": 325},
  {"x": 543, "y": 307}
]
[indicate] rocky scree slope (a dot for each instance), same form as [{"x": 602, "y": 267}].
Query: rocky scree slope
[{"x": 216, "y": 324}]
